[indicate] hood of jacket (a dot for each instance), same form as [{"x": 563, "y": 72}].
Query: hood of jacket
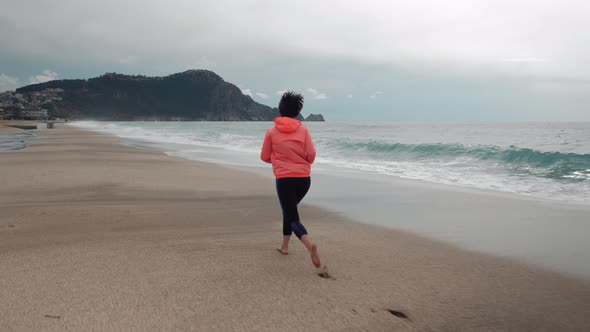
[{"x": 287, "y": 125}]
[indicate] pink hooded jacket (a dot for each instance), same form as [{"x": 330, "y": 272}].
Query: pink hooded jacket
[{"x": 288, "y": 146}]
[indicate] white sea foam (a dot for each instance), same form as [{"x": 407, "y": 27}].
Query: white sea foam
[
  {"x": 14, "y": 141},
  {"x": 447, "y": 154}
]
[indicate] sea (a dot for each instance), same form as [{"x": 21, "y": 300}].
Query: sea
[
  {"x": 14, "y": 141},
  {"x": 545, "y": 160},
  {"x": 531, "y": 180}
]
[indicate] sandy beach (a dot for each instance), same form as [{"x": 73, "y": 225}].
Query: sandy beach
[{"x": 95, "y": 235}]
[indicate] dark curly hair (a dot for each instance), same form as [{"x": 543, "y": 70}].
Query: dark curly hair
[{"x": 291, "y": 104}]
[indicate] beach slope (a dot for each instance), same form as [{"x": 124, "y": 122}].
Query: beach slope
[{"x": 95, "y": 235}]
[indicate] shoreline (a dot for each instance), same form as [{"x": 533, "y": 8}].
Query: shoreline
[
  {"x": 112, "y": 237},
  {"x": 189, "y": 140},
  {"x": 558, "y": 226},
  {"x": 13, "y": 138}
]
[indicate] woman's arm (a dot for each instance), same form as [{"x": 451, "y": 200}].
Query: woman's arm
[{"x": 266, "y": 148}]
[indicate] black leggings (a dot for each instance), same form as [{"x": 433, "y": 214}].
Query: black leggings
[{"x": 291, "y": 191}]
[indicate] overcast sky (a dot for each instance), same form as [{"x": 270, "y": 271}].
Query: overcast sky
[{"x": 420, "y": 60}]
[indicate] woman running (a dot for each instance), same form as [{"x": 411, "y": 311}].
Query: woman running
[{"x": 289, "y": 148}]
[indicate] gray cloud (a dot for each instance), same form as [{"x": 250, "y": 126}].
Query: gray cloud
[
  {"x": 471, "y": 35},
  {"x": 527, "y": 54},
  {"x": 8, "y": 82},
  {"x": 262, "y": 95},
  {"x": 320, "y": 96},
  {"x": 375, "y": 94},
  {"x": 315, "y": 94},
  {"x": 46, "y": 76},
  {"x": 129, "y": 60}
]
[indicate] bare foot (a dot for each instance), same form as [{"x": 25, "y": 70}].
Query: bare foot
[
  {"x": 284, "y": 252},
  {"x": 315, "y": 258}
]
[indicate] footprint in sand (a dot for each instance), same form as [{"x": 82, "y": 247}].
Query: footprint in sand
[
  {"x": 323, "y": 273},
  {"x": 397, "y": 313}
]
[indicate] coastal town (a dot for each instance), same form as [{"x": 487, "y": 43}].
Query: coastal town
[{"x": 27, "y": 106}]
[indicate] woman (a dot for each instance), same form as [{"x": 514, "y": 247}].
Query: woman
[{"x": 288, "y": 146}]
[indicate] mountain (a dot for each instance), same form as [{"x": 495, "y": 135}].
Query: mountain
[
  {"x": 315, "y": 117},
  {"x": 190, "y": 95}
]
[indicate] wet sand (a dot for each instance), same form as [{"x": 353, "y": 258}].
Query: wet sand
[{"x": 97, "y": 235}]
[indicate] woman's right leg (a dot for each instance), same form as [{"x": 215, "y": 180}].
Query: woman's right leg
[{"x": 302, "y": 190}]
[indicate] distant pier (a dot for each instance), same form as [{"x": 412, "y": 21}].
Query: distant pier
[{"x": 33, "y": 125}]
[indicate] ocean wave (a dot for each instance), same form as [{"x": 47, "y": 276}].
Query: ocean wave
[
  {"x": 555, "y": 165},
  {"x": 534, "y": 170},
  {"x": 14, "y": 141}
]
